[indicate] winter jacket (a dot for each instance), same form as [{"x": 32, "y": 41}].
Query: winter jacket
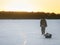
[{"x": 43, "y": 23}]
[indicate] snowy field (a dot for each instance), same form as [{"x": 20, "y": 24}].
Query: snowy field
[{"x": 28, "y": 32}]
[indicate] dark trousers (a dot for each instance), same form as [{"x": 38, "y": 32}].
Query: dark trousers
[{"x": 43, "y": 30}]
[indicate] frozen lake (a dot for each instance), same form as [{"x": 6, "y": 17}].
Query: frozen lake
[{"x": 28, "y": 32}]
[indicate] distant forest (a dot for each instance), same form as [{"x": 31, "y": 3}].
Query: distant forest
[{"x": 28, "y": 15}]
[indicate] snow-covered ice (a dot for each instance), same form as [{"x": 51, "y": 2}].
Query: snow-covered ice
[{"x": 28, "y": 32}]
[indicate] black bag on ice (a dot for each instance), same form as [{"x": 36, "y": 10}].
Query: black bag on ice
[{"x": 48, "y": 35}]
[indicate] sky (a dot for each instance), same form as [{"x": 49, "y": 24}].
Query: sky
[{"x": 30, "y": 5}]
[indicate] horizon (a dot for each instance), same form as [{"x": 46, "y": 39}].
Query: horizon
[{"x": 31, "y": 12}]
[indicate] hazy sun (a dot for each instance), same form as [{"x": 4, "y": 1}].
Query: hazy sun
[{"x": 17, "y": 5}]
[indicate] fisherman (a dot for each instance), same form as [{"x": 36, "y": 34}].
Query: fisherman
[{"x": 43, "y": 25}]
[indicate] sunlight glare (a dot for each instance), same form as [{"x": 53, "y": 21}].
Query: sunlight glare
[{"x": 19, "y": 6}]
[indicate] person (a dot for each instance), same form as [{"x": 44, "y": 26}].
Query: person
[{"x": 43, "y": 25}]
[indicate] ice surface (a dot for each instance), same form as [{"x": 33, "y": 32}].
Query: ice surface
[{"x": 28, "y": 32}]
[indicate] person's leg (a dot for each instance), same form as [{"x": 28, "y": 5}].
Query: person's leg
[{"x": 43, "y": 30}]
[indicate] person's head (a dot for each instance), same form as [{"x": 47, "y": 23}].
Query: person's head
[{"x": 42, "y": 18}]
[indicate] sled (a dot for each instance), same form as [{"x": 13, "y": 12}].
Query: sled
[{"x": 48, "y": 35}]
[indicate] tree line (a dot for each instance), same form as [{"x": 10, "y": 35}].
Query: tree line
[{"x": 28, "y": 15}]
